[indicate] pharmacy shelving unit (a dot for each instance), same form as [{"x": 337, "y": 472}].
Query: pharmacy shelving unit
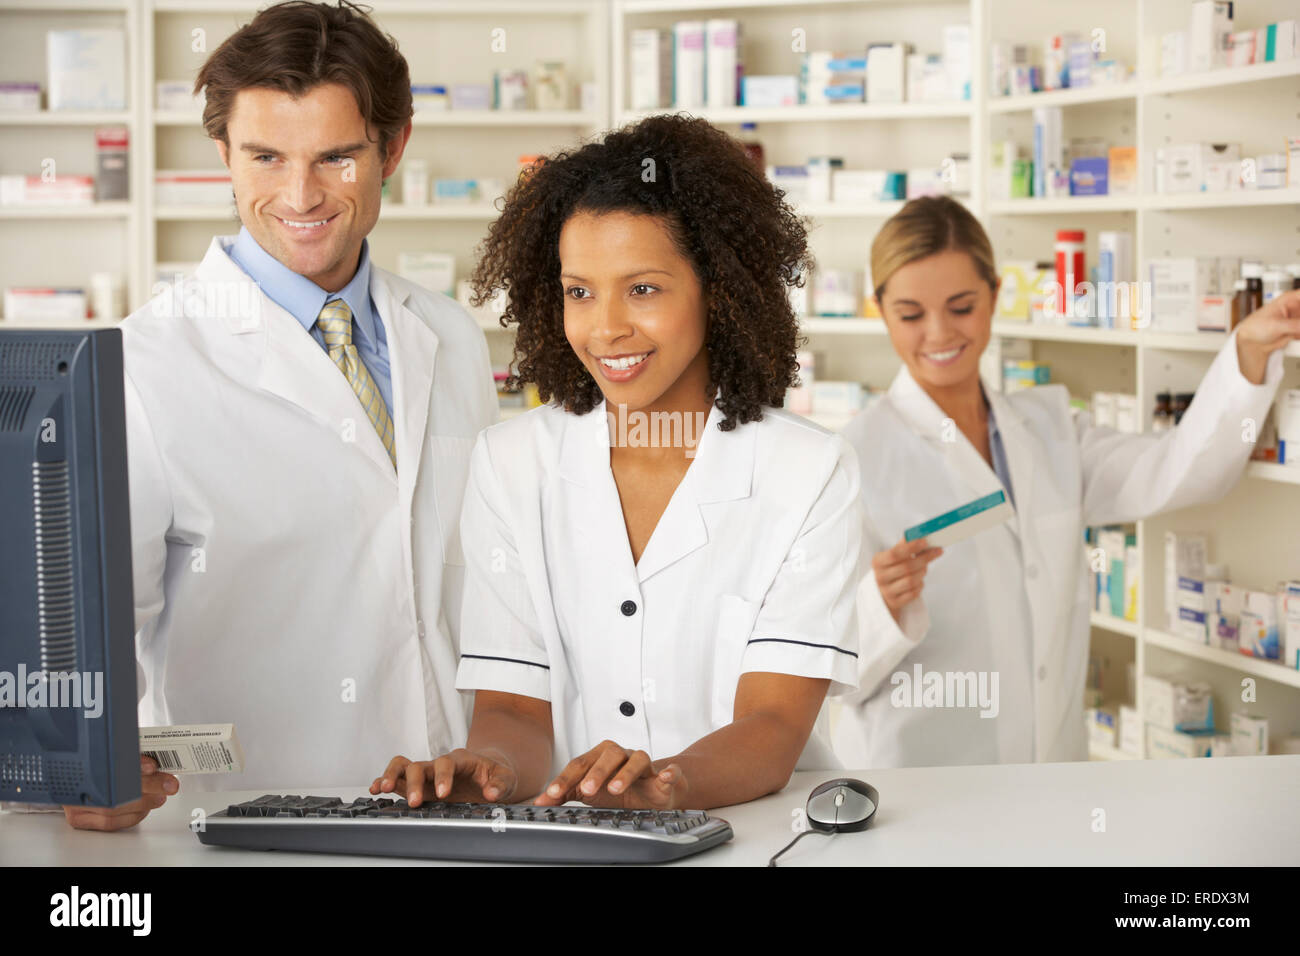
[
  {"x": 38, "y": 243},
  {"x": 1254, "y": 529}
]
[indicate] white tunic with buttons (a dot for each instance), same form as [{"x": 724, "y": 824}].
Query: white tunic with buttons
[{"x": 752, "y": 567}]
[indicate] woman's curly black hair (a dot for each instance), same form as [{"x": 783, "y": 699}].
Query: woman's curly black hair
[{"x": 746, "y": 244}]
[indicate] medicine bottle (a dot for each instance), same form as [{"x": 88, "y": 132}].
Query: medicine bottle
[{"x": 1162, "y": 420}]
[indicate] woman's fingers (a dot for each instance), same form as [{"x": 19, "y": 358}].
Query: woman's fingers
[
  {"x": 610, "y": 759},
  {"x": 390, "y": 777},
  {"x": 637, "y": 766}
]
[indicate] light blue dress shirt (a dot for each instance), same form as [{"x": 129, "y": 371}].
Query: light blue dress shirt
[{"x": 303, "y": 299}]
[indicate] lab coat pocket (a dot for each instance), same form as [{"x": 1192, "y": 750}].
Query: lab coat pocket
[
  {"x": 449, "y": 470},
  {"x": 735, "y": 626}
]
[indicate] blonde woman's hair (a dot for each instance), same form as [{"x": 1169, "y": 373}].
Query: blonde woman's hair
[{"x": 927, "y": 226}]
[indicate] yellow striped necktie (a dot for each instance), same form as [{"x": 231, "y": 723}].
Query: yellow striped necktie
[{"x": 335, "y": 322}]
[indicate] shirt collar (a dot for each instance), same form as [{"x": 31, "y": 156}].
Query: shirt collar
[{"x": 298, "y": 295}]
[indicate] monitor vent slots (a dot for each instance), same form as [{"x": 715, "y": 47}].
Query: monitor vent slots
[{"x": 55, "y": 589}]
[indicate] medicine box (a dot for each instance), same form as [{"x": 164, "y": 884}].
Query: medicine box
[
  {"x": 1259, "y": 631},
  {"x": 1130, "y": 730},
  {"x": 1249, "y": 735},
  {"x": 1288, "y": 613},
  {"x": 1163, "y": 744},
  {"x": 45, "y": 305},
  {"x": 769, "y": 91},
  {"x": 86, "y": 69}
]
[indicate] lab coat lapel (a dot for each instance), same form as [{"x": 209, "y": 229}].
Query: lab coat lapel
[
  {"x": 971, "y": 473},
  {"x": 723, "y": 470},
  {"x": 412, "y": 348},
  {"x": 1019, "y": 444},
  {"x": 293, "y": 367}
]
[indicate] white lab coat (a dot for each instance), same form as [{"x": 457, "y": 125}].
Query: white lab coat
[
  {"x": 1066, "y": 474},
  {"x": 752, "y": 567},
  {"x": 286, "y": 579}
]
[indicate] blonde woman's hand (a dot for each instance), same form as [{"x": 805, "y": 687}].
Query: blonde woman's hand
[{"x": 1269, "y": 328}]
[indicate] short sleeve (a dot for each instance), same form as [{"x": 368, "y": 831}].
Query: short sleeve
[
  {"x": 807, "y": 624},
  {"x": 501, "y": 647}
]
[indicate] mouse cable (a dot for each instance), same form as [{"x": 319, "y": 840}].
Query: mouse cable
[{"x": 772, "y": 862}]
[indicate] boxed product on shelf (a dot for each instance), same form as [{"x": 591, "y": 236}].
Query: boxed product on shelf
[
  {"x": 20, "y": 97},
  {"x": 1049, "y": 150},
  {"x": 794, "y": 181},
  {"x": 1283, "y": 41},
  {"x": 1024, "y": 288},
  {"x": 651, "y": 69},
  {"x": 1103, "y": 726},
  {"x": 471, "y": 96},
  {"x": 821, "y": 173},
  {"x": 886, "y": 73},
  {"x": 1288, "y": 622},
  {"x": 1056, "y": 60},
  {"x": 1130, "y": 730},
  {"x": 30, "y": 304},
  {"x": 86, "y": 69},
  {"x": 1249, "y": 735},
  {"x": 867, "y": 185},
  {"x": 1258, "y": 634},
  {"x": 1286, "y": 419},
  {"x": 1163, "y": 744},
  {"x": 927, "y": 78},
  {"x": 510, "y": 90},
  {"x": 926, "y": 181},
  {"x": 112, "y": 170},
  {"x": 1110, "y": 583},
  {"x": 178, "y": 187},
  {"x": 835, "y": 292},
  {"x": 1172, "y": 705},
  {"x": 1197, "y": 167},
  {"x": 1173, "y": 53},
  {"x": 1079, "y": 59},
  {"x": 1088, "y": 176},
  {"x": 1186, "y": 556},
  {"x": 1225, "y": 601},
  {"x": 65, "y": 190},
  {"x": 430, "y": 98},
  {"x": 836, "y": 398},
  {"x": 1021, "y": 374},
  {"x": 957, "y": 59},
  {"x": 1132, "y": 576},
  {"x": 1176, "y": 287},
  {"x": 721, "y": 62},
  {"x": 1208, "y": 33},
  {"x": 435, "y": 271},
  {"x": 1270, "y": 171},
  {"x": 178, "y": 96},
  {"x": 767, "y": 91},
  {"x": 550, "y": 80},
  {"x": 688, "y": 64},
  {"x": 1242, "y": 48},
  {"x": 827, "y": 76}
]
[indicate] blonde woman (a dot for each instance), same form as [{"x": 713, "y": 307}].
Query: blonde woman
[{"x": 976, "y": 653}]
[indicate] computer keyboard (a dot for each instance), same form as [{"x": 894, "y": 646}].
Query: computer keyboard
[{"x": 524, "y": 833}]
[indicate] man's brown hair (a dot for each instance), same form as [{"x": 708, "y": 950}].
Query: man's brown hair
[{"x": 298, "y": 45}]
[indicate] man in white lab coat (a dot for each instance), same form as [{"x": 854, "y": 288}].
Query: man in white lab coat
[{"x": 299, "y": 430}]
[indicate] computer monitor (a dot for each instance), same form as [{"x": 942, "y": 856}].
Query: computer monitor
[{"x": 68, "y": 730}]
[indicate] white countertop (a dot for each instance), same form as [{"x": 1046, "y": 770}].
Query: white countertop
[{"x": 1231, "y": 811}]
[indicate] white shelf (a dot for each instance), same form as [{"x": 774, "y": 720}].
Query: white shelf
[
  {"x": 508, "y": 118},
  {"x": 116, "y": 209},
  {"x": 1229, "y": 76},
  {"x": 1012, "y": 329},
  {"x": 1223, "y": 200},
  {"x": 66, "y": 118},
  {"x": 1271, "y": 471},
  {"x": 195, "y": 213},
  {"x": 856, "y": 325},
  {"x": 1113, "y": 92},
  {"x": 1064, "y": 204},
  {"x": 847, "y": 112},
  {"x": 1116, "y": 625},
  {"x": 1102, "y": 752},
  {"x": 684, "y": 6},
  {"x": 844, "y": 210},
  {"x": 387, "y": 8},
  {"x": 1270, "y": 670},
  {"x": 471, "y": 211}
]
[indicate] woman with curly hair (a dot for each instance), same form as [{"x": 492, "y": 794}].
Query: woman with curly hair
[{"x": 661, "y": 563}]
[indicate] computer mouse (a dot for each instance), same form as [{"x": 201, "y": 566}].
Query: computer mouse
[{"x": 842, "y": 806}]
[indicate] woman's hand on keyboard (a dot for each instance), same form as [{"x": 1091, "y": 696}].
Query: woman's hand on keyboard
[
  {"x": 458, "y": 777},
  {"x": 611, "y": 776}
]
